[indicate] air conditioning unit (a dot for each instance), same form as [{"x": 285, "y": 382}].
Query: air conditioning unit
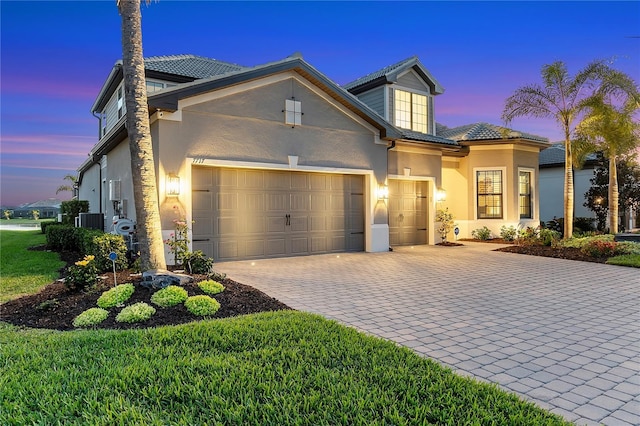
[
  {"x": 91, "y": 221},
  {"x": 115, "y": 194}
]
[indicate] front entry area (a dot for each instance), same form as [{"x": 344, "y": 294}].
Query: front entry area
[
  {"x": 250, "y": 213},
  {"x": 408, "y": 216}
]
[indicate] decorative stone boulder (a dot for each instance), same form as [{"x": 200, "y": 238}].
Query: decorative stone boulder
[{"x": 161, "y": 278}]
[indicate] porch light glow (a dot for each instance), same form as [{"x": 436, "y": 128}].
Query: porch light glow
[
  {"x": 383, "y": 192},
  {"x": 173, "y": 185},
  {"x": 441, "y": 195}
]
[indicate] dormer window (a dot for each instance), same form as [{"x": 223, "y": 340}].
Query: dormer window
[{"x": 410, "y": 111}]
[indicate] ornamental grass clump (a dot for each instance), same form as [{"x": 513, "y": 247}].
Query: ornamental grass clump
[
  {"x": 169, "y": 296},
  {"x": 211, "y": 287},
  {"x": 116, "y": 296},
  {"x": 82, "y": 274},
  {"x": 137, "y": 312},
  {"x": 91, "y": 317},
  {"x": 203, "y": 306}
]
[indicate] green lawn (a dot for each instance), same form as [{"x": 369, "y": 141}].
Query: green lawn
[
  {"x": 22, "y": 271},
  {"x": 632, "y": 260},
  {"x": 277, "y": 368}
]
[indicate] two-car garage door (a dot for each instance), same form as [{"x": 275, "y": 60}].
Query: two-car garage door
[{"x": 247, "y": 213}]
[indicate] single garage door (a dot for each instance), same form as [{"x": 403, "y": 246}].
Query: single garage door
[
  {"x": 408, "y": 201},
  {"x": 246, "y": 213}
]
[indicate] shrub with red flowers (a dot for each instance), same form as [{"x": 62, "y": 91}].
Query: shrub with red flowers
[{"x": 600, "y": 248}]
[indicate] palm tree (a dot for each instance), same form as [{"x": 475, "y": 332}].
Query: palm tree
[
  {"x": 612, "y": 130},
  {"x": 142, "y": 163},
  {"x": 559, "y": 98},
  {"x": 63, "y": 188}
]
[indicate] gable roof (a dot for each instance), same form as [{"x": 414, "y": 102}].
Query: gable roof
[
  {"x": 189, "y": 66},
  {"x": 177, "y": 68},
  {"x": 486, "y": 131},
  {"x": 168, "y": 98},
  {"x": 390, "y": 74}
]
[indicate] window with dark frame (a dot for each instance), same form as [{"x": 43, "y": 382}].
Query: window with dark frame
[
  {"x": 489, "y": 194},
  {"x": 525, "y": 195}
]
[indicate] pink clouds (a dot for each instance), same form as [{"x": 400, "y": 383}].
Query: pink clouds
[
  {"x": 27, "y": 85},
  {"x": 34, "y": 144}
]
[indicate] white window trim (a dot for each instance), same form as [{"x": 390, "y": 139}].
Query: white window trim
[
  {"x": 431, "y": 121},
  {"x": 292, "y": 112},
  {"x": 505, "y": 186},
  {"x": 532, "y": 182}
]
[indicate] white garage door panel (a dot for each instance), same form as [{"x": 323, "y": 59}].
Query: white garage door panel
[{"x": 263, "y": 213}]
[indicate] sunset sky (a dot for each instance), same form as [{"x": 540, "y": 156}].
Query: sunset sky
[{"x": 56, "y": 55}]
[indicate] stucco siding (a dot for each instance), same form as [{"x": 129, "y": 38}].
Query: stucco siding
[
  {"x": 89, "y": 189},
  {"x": 552, "y": 192},
  {"x": 119, "y": 168}
]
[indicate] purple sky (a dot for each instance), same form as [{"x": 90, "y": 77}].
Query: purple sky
[{"x": 55, "y": 57}]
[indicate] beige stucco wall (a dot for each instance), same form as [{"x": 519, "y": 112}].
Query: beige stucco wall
[
  {"x": 89, "y": 190},
  {"x": 459, "y": 181}
]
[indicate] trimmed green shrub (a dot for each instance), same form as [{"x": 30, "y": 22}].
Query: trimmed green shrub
[
  {"x": 137, "y": 312},
  {"x": 528, "y": 235},
  {"x": 600, "y": 248},
  {"x": 579, "y": 242},
  {"x": 628, "y": 247},
  {"x": 62, "y": 238},
  {"x": 482, "y": 234},
  {"x": 196, "y": 262},
  {"x": 72, "y": 209},
  {"x": 169, "y": 296},
  {"x": 45, "y": 223},
  {"x": 102, "y": 244},
  {"x": 116, "y": 296},
  {"x": 85, "y": 238},
  {"x": 91, "y": 317},
  {"x": 211, "y": 287},
  {"x": 82, "y": 274},
  {"x": 217, "y": 276},
  {"x": 202, "y": 306},
  {"x": 508, "y": 234}
]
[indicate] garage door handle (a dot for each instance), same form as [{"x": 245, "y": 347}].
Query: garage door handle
[
  {"x": 422, "y": 229},
  {"x": 201, "y": 239},
  {"x": 287, "y": 219}
]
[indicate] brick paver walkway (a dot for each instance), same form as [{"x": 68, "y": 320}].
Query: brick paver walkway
[{"x": 563, "y": 334}]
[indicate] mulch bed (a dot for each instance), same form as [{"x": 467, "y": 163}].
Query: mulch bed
[{"x": 56, "y": 306}]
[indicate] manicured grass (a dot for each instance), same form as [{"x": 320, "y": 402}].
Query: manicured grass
[
  {"x": 276, "y": 368},
  {"x": 632, "y": 260},
  {"x": 24, "y": 271}
]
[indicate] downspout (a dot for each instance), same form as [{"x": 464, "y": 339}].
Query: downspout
[{"x": 389, "y": 148}]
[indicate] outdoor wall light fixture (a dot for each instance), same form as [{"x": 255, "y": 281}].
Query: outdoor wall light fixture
[
  {"x": 441, "y": 195},
  {"x": 383, "y": 192},
  {"x": 173, "y": 185}
]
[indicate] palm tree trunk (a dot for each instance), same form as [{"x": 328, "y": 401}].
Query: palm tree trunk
[
  {"x": 613, "y": 195},
  {"x": 568, "y": 188},
  {"x": 143, "y": 171}
]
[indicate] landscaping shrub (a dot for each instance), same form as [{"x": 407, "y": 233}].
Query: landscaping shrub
[
  {"x": 584, "y": 224},
  {"x": 116, "y": 296},
  {"x": 217, "y": 276},
  {"x": 579, "y": 242},
  {"x": 446, "y": 223},
  {"x": 599, "y": 248},
  {"x": 549, "y": 237},
  {"x": 45, "y": 223},
  {"x": 72, "y": 209},
  {"x": 528, "y": 236},
  {"x": 482, "y": 234},
  {"x": 202, "y": 306},
  {"x": 85, "y": 237},
  {"x": 632, "y": 260},
  {"x": 62, "y": 238},
  {"x": 102, "y": 244},
  {"x": 82, "y": 274},
  {"x": 628, "y": 247},
  {"x": 211, "y": 287},
  {"x": 169, "y": 296},
  {"x": 90, "y": 317},
  {"x": 508, "y": 234},
  {"x": 197, "y": 262},
  {"x": 137, "y": 312}
]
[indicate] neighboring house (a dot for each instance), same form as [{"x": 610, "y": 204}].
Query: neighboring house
[
  {"x": 552, "y": 184},
  {"x": 278, "y": 160},
  {"x": 49, "y": 208}
]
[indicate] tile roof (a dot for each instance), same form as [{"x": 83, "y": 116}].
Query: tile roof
[
  {"x": 377, "y": 74},
  {"x": 554, "y": 155},
  {"x": 423, "y": 137},
  {"x": 190, "y": 65},
  {"x": 485, "y": 131}
]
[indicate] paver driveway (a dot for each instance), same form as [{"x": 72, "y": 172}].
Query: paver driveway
[{"x": 561, "y": 333}]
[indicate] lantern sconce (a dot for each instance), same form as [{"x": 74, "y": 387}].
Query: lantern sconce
[
  {"x": 173, "y": 185},
  {"x": 383, "y": 192},
  {"x": 441, "y": 195}
]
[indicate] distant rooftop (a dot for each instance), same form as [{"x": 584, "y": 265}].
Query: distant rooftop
[
  {"x": 190, "y": 65},
  {"x": 485, "y": 131}
]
